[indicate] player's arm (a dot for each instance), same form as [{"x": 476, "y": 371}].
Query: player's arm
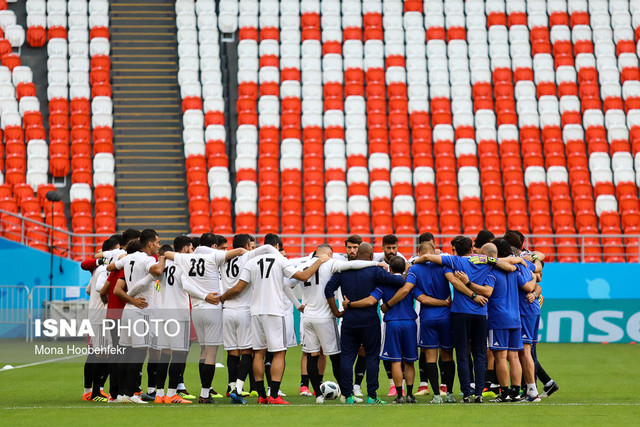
[
  {"x": 329, "y": 292},
  {"x": 306, "y": 274},
  {"x": 435, "y": 302},
  {"x": 158, "y": 268},
  {"x": 342, "y": 265},
  {"x": 436, "y": 259},
  {"x": 234, "y": 253},
  {"x": 122, "y": 294},
  {"x": 116, "y": 265},
  {"x": 288, "y": 291},
  {"x": 483, "y": 290},
  {"x": 104, "y": 292},
  {"x": 141, "y": 285},
  {"x": 460, "y": 287},
  {"x": 400, "y": 294},
  {"x": 233, "y": 292},
  {"x": 361, "y": 303},
  {"x": 89, "y": 264}
]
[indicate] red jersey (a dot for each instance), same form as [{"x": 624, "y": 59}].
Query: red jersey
[{"x": 115, "y": 304}]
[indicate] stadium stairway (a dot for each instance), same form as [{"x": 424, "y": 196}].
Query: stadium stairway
[{"x": 150, "y": 176}]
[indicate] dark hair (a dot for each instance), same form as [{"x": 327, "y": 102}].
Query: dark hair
[
  {"x": 522, "y": 238},
  {"x": 354, "y": 239},
  {"x": 389, "y": 239},
  {"x": 483, "y": 237},
  {"x": 504, "y": 247},
  {"x": 512, "y": 237},
  {"x": 195, "y": 241},
  {"x": 208, "y": 240},
  {"x": 130, "y": 235},
  {"x": 251, "y": 238},
  {"x": 220, "y": 240},
  {"x": 181, "y": 242},
  {"x": 147, "y": 236},
  {"x": 397, "y": 264},
  {"x": 272, "y": 239},
  {"x": 463, "y": 245},
  {"x": 164, "y": 248},
  {"x": 117, "y": 238},
  {"x": 426, "y": 237},
  {"x": 134, "y": 246},
  {"x": 241, "y": 240},
  {"x": 110, "y": 244}
]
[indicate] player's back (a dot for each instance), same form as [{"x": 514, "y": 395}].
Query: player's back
[
  {"x": 97, "y": 309},
  {"x": 229, "y": 276},
  {"x": 403, "y": 309},
  {"x": 429, "y": 279},
  {"x": 266, "y": 277},
  {"x": 316, "y": 306},
  {"x": 173, "y": 294},
  {"x": 504, "y": 306},
  {"x": 136, "y": 268}
]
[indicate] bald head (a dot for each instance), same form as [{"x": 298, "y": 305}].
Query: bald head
[
  {"x": 426, "y": 248},
  {"x": 324, "y": 249},
  {"x": 489, "y": 249},
  {"x": 365, "y": 252}
]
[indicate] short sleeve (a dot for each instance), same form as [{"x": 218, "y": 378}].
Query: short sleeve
[
  {"x": 531, "y": 266},
  {"x": 288, "y": 269},
  {"x": 524, "y": 276},
  {"x": 412, "y": 276},
  {"x": 447, "y": 261},
  {"x": 148, "y": 263},
  {"x": 120, "y": 263},
  {"x": 490, "y": 280},
  {"x": 416, "y": 292},
  {"x": 245, "y": 274},
  {"x": 377, "y": 294},
  {"x": 219, "y": 257}
]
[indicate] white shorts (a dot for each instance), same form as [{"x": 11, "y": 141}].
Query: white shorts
[
  {"x": 290, "y": 326},
  {"x": 236, "y": 328},
  {"x": 100, "y": 340},
  {"x": 139, "y": 329},
  {"x": 173, "y": 335},
  {"x": 208, "y": 326},
  {"x": 321, "y": 334},
  {"x": 268, "y": 332}
]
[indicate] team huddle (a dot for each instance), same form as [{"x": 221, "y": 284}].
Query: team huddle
[{"x": 483, "y": 300}]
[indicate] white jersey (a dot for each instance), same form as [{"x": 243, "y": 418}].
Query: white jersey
[
  {"x": 113, "y": 255},
  {"x": 313, "y": 298},
  {"x": 175, "y": 301},
  {"x": 265, "y": 274},
  {"x": 379, "y": 257},
  {"x": 97, "y": 309},
  {"x": 230, "y": 273},
  {"x": 201, "y": 275},
  {"x": 136, "y": 267}
]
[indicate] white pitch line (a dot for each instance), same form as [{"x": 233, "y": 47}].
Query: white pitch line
[
  {"x": 116, "y": 406},
  {"x": 42, "y": 362}
]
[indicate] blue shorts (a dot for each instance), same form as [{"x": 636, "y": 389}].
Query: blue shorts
[
  {"x": 400, "y": 341},
  {"x": 435, "y": 333},
  {"x": 505, "y": 339},
  {"x": 530, "y": 325}
]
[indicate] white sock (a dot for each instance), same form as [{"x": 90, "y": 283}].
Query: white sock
[
  {"x": 171, "y": 392},
  {"x": 391, "y": 383},
  {"x": 232, "y": 386},
  {"x": 181, "y": 386},
  {"x": 204, "y": 392},
  {"x": 239, "y": 386},
  {"x": 424, "y": 384},
  {"x": 101, "y": 388},
  {"x": 549, "y": 383},
  {"x": 160, "y": 392},
  {"x": 150, "y": 390},
  {"x": 532, "y": 390},
  {"x": 87, "y": 390}
]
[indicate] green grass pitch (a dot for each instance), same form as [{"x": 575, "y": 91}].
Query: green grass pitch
[{"x": 598, "y": 385}]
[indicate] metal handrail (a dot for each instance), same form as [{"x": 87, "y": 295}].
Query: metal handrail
[{"x": 581, "y": 253}]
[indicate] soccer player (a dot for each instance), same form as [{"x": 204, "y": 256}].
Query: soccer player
[
  {"x": 435, "y": 323},
  {"x": 137, "y": 341},
  {"x": 266, "y": 275},
  {"x": 360, "y": 326},
  {"x": 320, "y": 330},
  {"x": 236, "y": 316},
  {"x": 201, "y": 280},
  {"x": 400, "y": 347},
  {"x": 175, "y": 307},
  {"x": 96, "y": 367},
  {"x": 504, "y": 322},
  {"x": 115, "y": 305},
  {"x": 468, "y": 311}
]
